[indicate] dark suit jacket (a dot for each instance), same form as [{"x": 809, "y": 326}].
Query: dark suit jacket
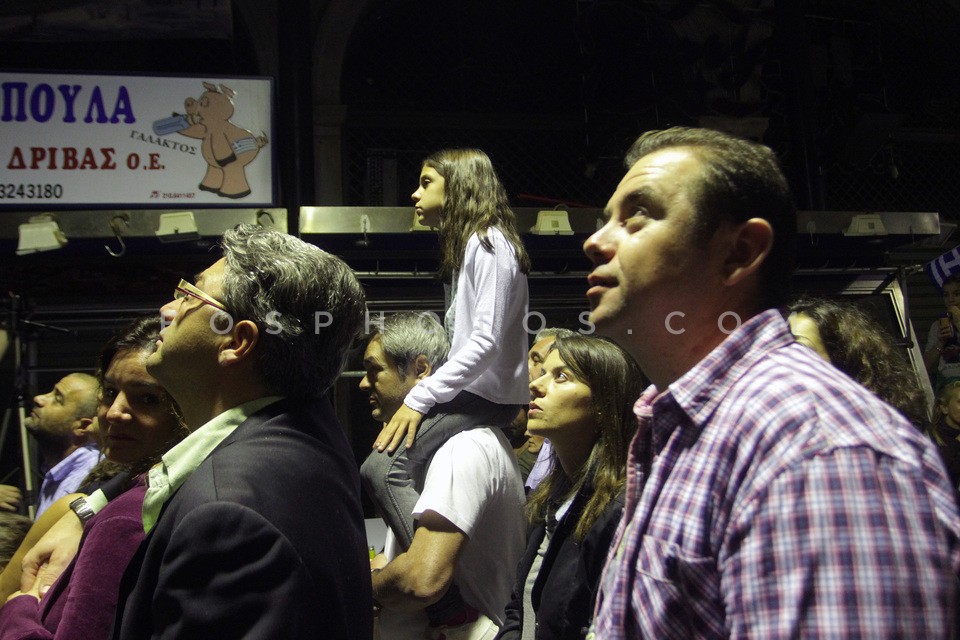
[
  {"x": 565, "y": 588},
  {"x": 264, "y": 540}
]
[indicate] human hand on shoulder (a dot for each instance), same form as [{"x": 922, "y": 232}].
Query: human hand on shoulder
[
  {"x": 379, "y": 561},
  {"x": 403, "y": 423}
]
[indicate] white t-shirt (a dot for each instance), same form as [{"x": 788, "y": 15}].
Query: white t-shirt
[
  {"x": 488, "y": 351},
  {"x": 474, "y": 482}
]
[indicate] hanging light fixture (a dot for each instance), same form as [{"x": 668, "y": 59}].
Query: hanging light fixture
[{"x": 40, "y": 233}]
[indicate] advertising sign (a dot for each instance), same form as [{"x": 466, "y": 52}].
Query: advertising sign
[{"x": 69, "y": 140}]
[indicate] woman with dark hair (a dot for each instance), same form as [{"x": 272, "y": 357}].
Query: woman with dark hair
[
  {"x": 138, "y": 421},
  {"x": 583, "y": 403},
  {"x": 857, "y": 345}
]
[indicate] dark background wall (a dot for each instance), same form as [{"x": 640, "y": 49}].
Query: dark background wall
[{"x": 859, "y": 97}]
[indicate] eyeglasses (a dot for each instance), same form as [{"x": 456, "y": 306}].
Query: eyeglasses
[{"x": 185, "y": 289}]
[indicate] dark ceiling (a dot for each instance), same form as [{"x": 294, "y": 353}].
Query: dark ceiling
[{"x": 859, "y": 98}]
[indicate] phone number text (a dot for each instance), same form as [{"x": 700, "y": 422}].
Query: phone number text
[{"x": 11, "y": 191}]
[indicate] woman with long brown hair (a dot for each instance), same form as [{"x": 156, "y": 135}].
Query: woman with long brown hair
[{"x": 583, "y": 403}]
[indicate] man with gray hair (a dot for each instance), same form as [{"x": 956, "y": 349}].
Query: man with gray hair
[
  {"x": 408, "y": 347},
  {"x": 254, "y": 522},
  {"x": 470, "y": 524}
]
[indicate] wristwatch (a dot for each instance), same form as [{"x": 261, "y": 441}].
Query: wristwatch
[{"x": 82, "y": 509}]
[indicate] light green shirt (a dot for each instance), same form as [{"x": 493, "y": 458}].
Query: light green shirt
[
  {"x": 97, "y": 500},
  {"x": 182, "y": 460}
]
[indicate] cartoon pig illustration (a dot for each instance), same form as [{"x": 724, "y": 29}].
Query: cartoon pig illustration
[{"x": 227, "y": 148}]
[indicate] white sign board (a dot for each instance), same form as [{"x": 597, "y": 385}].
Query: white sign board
[{"x": 68, "y": 140}]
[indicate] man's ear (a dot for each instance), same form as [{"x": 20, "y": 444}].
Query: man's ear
[
  {"x": 239, "y": 344},
  {"x": 422, "y": 367},
  {"x": 750, "y": 246},
  {"x": 85, "y": 428}
]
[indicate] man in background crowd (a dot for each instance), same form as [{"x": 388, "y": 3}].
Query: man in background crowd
[
  {"x": 403, "y": 351},
  {"x": 62, "y": 423},
  {"x": 535, "y": 357},
  {"x": 470, "y": 526}
]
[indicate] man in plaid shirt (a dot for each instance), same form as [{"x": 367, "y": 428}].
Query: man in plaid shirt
[{"x": 768, "y": 495}]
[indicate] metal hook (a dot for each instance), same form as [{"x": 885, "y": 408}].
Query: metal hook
[
  {"x": 812, "y": 229},
  {"x": 117, "y": 233},
  {"x": 364, "y": 228}
]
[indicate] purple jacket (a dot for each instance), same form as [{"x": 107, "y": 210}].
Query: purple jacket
[{"x": 81, "y": 603}]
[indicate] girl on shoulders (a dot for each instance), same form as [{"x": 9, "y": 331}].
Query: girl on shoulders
[{"x": 484, "y": 381}]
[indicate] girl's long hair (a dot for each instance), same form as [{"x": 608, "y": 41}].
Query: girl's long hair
[
  {"x": 615, "y": 383},
  {"x": 474, "y": 201}
]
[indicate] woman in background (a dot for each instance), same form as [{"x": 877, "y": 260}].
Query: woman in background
[
  {"x": 857, "y": 345},
  {"x": 139, "y": 422},
  {"x": 947, "y": 430},
  {"x": 583, "y": 403},
  {"x": 941, "y": 353}
]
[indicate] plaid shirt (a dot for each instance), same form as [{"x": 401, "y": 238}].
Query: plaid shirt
[{"x": 769, "y": 496}]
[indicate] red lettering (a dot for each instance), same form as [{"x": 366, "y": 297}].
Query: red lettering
[
  {"x": 69, "y": 158},
  {"x": 37, "y": 154},
  {"x": 154, "y": 161},
  {"x": 108, "y": 162},
  {"x": 16, "y": 159},
  {"x": 89, "y": 160}
]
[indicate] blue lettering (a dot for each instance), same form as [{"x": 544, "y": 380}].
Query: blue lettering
[
  {"x": 41, "y": 102},
  {"x": 69, "y": 94},
  {"x": 96, "y": 104},
  {"x": 14, "y": 94},
  {"x": 123, "y": 106}
]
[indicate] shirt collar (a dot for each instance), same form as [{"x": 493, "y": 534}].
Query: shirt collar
[
  {"x": 183, "y": 458},
  {"x": 79, "y": 456},
  {"x": 177, "y": 464},
  {"x": 698, "y": 392}
]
